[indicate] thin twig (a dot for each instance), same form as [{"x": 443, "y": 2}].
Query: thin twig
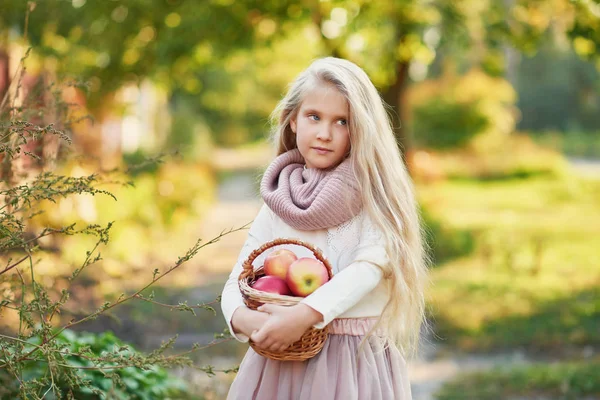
[
  {"x": 45, "y": 232},
  {"x": 171, "y": 306},
  {"x": 66, "y": 353},
  {"x": 180, "y": 262},
  {"x": 15, "y": 374},
  {"x": 16, "y": 339},
  {"x": 14, "y": 265},
  {"x": 30, "y": 8},
  {"x": 213, "y": 343},
  {"x": 52, "y": 385},
  {"x": 20, "y": 66}
]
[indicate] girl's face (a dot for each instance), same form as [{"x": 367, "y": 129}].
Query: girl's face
[{"x": 321, "y": 127}]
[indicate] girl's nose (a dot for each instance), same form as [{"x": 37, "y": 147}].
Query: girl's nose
[{"x": 324, "y": 132}]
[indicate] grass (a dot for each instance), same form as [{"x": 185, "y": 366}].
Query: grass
[
  {"x": 574, "y": 144},
  {"x": 533, "y": 279},
  {"x": 577, "y": 381}
]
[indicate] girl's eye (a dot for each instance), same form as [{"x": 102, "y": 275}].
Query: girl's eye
[
  {"x": 314, "y": 117},
  {"x": 343, "y": 122}
]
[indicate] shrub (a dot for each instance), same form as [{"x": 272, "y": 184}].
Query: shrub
[
  {"x": 443, "y": 123},
  {"x": 150, "y": 382},
  {"x": 473, "y": 109}
]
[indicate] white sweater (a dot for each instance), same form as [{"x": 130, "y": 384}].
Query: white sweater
[{"x": 353, "y": 248}]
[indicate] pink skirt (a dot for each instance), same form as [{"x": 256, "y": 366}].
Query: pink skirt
[{"x": 338, "y": 372}]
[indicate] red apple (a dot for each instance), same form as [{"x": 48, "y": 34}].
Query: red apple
[
  {"x": 272, "y": 284},
  {"x": 278, "y": 262},
  {"x": 305, "y": 275}
]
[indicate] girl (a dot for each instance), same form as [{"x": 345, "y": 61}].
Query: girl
[{"x": 339, "y": 183}]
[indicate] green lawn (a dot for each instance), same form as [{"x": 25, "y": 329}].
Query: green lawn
[
  {"x": 533, "y": 278},
  {"x": 568, "y": 381}
]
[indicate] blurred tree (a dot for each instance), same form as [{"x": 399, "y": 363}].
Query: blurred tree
[
  {"x": 205, "y": 51},
  {"x": 391, "y": 40},
  {"x": 110, "y": 43},
  {"x": 182, "y": 45},
  {"x": 397, "y": 41},
  {"x": 558, "y": 91},
  {"x": 585, "y": 29}
]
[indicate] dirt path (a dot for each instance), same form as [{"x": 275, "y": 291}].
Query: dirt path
[{"x": 586, "y": 167}]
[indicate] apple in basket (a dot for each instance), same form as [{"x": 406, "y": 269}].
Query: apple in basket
[
  {"x": 306, "y": 275},
  {"x": 272, "y": 284},
  {"x": 278, "y": 262}
]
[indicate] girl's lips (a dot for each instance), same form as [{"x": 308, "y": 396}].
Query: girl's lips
[{"x": 321, "y": 151}]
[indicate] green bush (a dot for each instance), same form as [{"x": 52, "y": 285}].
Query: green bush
[
  {"x": 132, "y": 382},
  {"x": 445, "y": 123},
  {"x": 473, "y": 110}
]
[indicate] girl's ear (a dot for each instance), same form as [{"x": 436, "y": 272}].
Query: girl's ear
[{"x": 293, "y": 124}]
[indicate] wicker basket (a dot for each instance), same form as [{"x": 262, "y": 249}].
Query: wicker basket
[{"x": 313, "y": 340}]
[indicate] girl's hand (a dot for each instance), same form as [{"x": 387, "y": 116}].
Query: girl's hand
[
  {"x": 247, "y": 321},
  {"x": 284, "y": 326}
]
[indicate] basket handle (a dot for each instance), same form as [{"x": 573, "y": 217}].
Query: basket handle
[{"x": 248, "y": 270}]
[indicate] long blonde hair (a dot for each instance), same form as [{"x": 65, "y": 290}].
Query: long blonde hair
[{"x": 387, "y": 190}]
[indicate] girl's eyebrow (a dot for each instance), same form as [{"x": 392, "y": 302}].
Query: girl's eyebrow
[{"x": 314, "y": 111}]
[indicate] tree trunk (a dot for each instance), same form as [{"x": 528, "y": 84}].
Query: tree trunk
[
  {"x": 396, "y": 97},
  {"x": 511, "y": 55},
  {"x": 4, "y": 74},
  {"x": 5, "y": 162}
]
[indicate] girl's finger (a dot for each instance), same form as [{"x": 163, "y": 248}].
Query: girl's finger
[
  {"x": 267, "y": 344},
  {"x": 282, "y": 348},
  {"x": 275, "y": 347},
  {"x": 266, "y": 308},
  {"x": 258, "y": 336}
]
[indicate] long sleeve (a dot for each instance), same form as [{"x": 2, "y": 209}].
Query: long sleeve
[
  {"x": 231, "y": 298},
  {"x": 354, "y": 282}
]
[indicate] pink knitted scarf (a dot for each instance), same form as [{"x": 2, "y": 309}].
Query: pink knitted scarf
[{"x": 310, "y": 199}]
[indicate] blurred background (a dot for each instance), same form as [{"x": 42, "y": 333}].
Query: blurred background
[{"x": 496, "y": 105}]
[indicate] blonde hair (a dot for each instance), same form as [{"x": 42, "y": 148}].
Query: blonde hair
[{"x": 387, "y": 190}]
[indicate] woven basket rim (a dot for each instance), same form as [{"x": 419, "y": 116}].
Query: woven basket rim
[{"x": 298, "y": 351}]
